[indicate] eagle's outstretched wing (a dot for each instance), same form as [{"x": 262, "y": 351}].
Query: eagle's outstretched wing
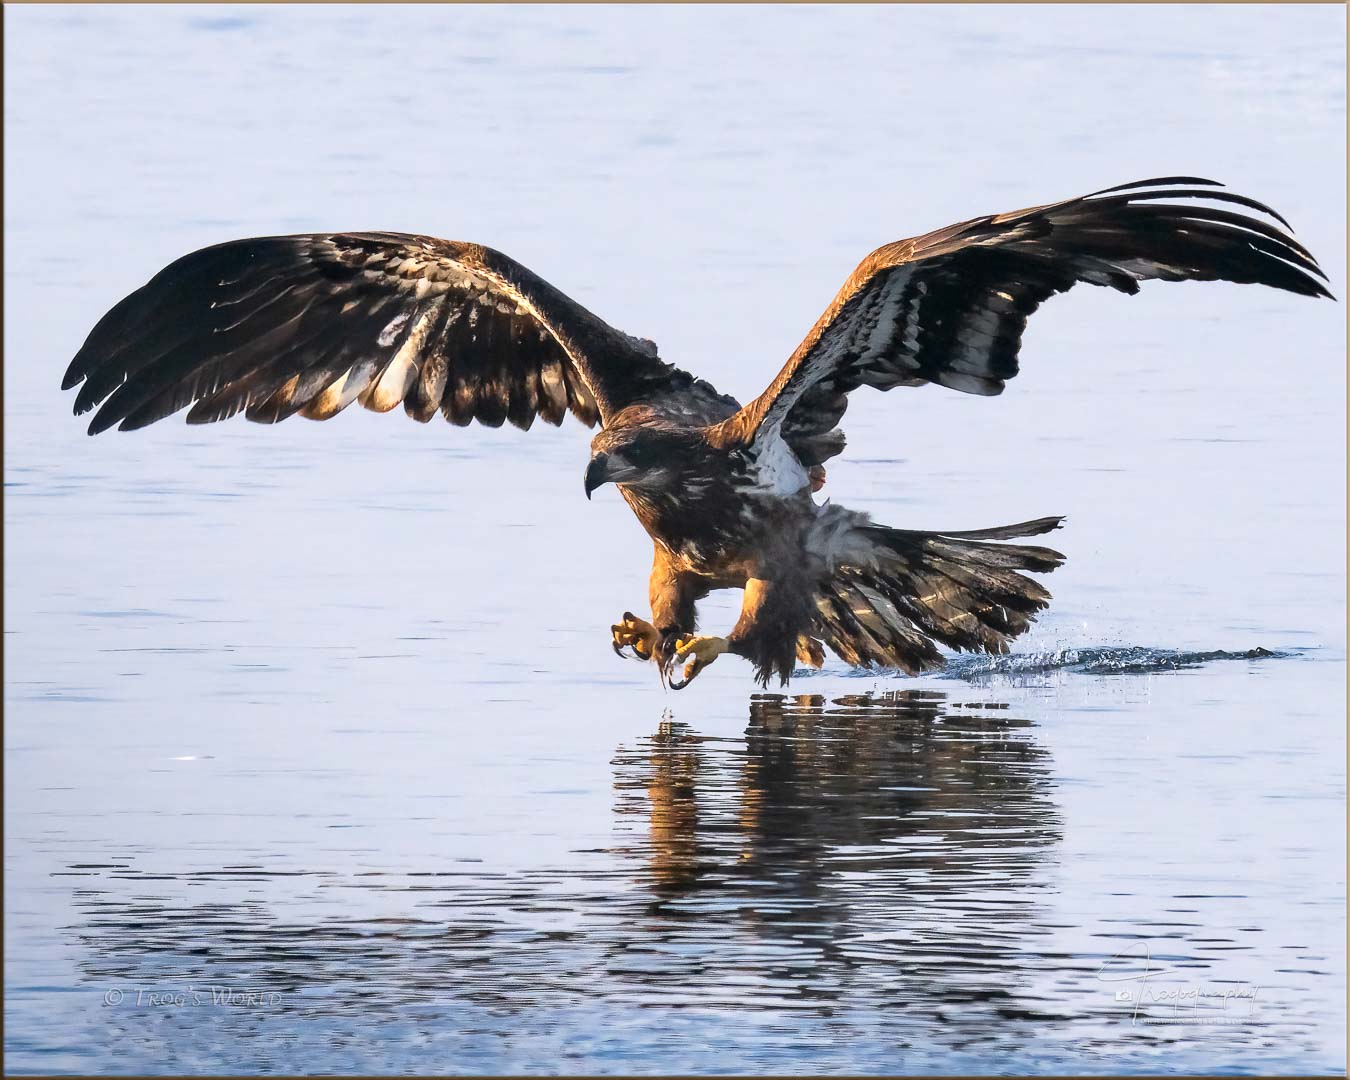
[
  {"x": 950, "y": 307},
  {"x": 308, "y": 324}
]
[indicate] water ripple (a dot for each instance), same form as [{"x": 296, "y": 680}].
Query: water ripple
[{"x": 885, "y": 856}]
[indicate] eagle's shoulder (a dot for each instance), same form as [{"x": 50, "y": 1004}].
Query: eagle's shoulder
[{"x": 679, "y": 400}]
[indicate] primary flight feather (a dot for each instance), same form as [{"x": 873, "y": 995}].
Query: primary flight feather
[{"x": 309, "y": 324}]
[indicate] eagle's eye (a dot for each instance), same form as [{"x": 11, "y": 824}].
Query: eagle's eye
[{"x": 641, "y": 454}]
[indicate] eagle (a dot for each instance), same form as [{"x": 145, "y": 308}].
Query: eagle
[{"x": 308, "y": 324}]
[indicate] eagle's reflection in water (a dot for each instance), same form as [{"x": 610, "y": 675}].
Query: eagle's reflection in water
[
  {"x": 826, "y": 788},
  {"x": 876, "y": 861},
  {"x": 899, "y": 837}
]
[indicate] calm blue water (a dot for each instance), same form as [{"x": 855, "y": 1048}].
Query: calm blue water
[{"x": 272, "y": 804}]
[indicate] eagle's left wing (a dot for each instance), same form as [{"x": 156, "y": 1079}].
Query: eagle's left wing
[
  {"x": 279, "y": 325},
  {"x": 950, "y": 307}
]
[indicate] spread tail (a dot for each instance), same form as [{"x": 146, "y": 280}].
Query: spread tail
[{"x": 917, "y": 588}]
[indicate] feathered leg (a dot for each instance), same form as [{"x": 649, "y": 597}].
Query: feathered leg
[
  {"x": 674, "y": 595},
  {"x": 773, "y": 631}
]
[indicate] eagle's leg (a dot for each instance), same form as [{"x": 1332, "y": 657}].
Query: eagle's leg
[
  {"x": 674, "y": 593},
  {"x": 702, "y": 651},
  {"x": 636, "y": 634},
  {"x": 773, "y": 632}
]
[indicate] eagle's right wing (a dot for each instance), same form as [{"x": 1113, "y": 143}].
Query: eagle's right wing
[
  {"x": 308, "y": 324},
  {"x": 949, "y": 307}
]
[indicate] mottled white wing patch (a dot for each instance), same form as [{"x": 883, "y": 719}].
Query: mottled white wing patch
[
  {"x": 398, "y": 378},
  {"x": 775, "y": 468}
]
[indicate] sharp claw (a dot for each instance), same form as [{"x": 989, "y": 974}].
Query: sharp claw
[
  {"x": 695, "y": 653},
  {"x": 636, "y": 654},
  {"x": 631, "y": 638},
  {"x": 667, "y": 662},
  {"x": 690, "y": 671}
]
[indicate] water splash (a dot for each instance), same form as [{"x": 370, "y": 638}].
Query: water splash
[
  {"x": 1109, "y": 660},
  {"x": 1099, "y": 660}
]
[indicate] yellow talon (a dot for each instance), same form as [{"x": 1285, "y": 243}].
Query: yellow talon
[
  {"x": 696, "y": 653},
  {"x": 636, "y": 634}
]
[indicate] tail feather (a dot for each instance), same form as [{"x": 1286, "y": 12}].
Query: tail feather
[
  {"x": 918, "y": 588},
  {"x": 847, "y": 622},
  {"x": 1003, "y": 532}
]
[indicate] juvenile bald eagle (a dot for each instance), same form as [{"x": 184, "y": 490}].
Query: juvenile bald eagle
[{"x": 308, "y": 324}]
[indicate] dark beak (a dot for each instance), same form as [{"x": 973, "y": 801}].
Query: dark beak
[{"x": 597, "y": 473}]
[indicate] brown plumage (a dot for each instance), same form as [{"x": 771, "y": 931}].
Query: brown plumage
[{"x": 308, "y": 324}]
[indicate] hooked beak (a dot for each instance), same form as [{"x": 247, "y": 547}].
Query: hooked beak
[
  {"x": 597, "y": 473},
  {"x": 607, "y": 469}
]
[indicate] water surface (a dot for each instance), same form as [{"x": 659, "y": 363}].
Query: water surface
[{"x": 316, "y": 754}]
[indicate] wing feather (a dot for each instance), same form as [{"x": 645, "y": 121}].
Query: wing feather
[
  {"x": 950, "y": 307},
  {"x": 312, "y": 323}
]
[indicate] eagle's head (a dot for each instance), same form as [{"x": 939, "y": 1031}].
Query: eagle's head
[{"x": 648, "y": 457}]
